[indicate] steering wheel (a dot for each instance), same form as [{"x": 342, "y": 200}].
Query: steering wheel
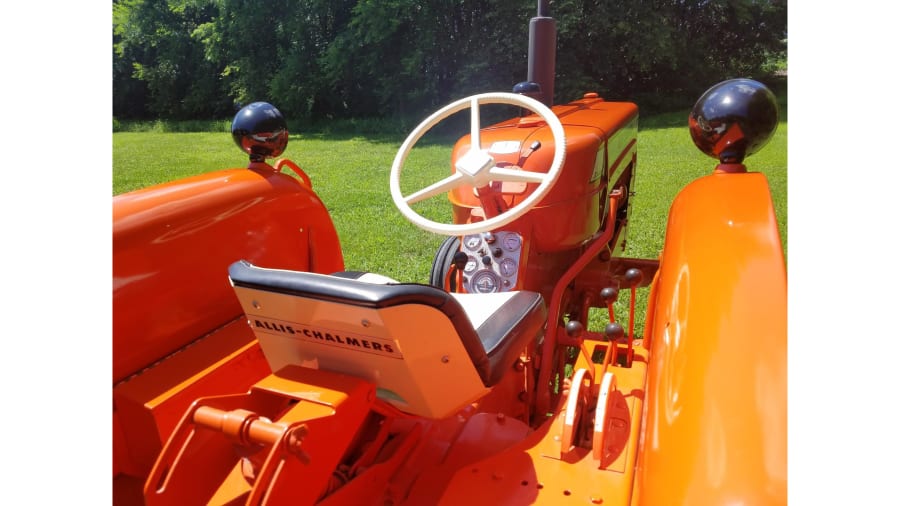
[{"x": 477, "y": 167}]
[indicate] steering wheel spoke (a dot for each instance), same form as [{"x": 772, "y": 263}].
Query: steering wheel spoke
[
  {"x": 524, "y": 176},
  {"x": 475, "y": 118},
  {"x": 442, "y": 186},
  {"x": 477, "y": 167}
]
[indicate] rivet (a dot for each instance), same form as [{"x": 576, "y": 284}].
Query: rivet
[
  {"x": 366, "y": 323},
  {"x": 445, "y": 358},
  {"x": 256, "y": 304}
]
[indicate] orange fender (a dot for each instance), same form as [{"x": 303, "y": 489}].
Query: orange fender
[
  {"x": 715, "y": 426},
  {"x": 178, "y": 330},
  {"x": 173, "y": 243}
]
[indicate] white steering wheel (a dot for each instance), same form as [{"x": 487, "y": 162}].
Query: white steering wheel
[{"x": 477, "y": 168}]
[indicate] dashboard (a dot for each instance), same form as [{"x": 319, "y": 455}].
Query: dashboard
[{"x": 493, "y": 261}]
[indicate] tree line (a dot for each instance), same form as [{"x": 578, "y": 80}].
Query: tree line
[{"x": 316, "y": 59}]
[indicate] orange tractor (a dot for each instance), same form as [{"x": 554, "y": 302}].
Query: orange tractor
[{"x": 250, "y": 367}]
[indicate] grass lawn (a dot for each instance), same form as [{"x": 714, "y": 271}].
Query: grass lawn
[{"x": 350, "y": 174}]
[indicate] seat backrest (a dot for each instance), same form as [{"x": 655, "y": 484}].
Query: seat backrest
[{"x": 414, "y": 342}]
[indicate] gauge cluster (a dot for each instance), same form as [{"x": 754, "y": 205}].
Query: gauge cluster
[{"x": 493, "y": 264}]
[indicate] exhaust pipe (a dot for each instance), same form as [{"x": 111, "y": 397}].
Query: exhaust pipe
[{"x": 542, "y": 52}]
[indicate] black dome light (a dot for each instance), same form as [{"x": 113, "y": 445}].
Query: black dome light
[
  {"x": 734, "y": 119},
  {"x": 260, "y": 130}
]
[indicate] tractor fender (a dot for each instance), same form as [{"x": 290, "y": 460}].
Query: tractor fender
[
  {"x": 173, "y": 243},
  {"x": 715, "y": 425},
  {"x": 178, "y": 329}
]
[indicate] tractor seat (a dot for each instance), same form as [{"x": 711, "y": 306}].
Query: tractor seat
[{"x": 429, "y": 352}]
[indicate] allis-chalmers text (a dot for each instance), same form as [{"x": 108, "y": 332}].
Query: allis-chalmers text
[{"x": 324, "y": 336}]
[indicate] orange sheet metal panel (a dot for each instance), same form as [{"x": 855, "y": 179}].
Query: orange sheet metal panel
[
  {"x": 173, "y": 243},
  {"x": 715, "y": 430}
]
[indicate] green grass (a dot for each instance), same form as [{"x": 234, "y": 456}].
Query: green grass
[{"x": 351, "y": 175}]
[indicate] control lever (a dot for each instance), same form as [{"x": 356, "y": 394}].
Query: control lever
[
  {"x": 575, "y": 330},
  {"x": 608, "y": 296},
  {"x": 633, "y": 277},
  {"x": 536, "y": 145},
  {"x": 614, "y": 332},
  {"x": 460, "y": 259}
]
